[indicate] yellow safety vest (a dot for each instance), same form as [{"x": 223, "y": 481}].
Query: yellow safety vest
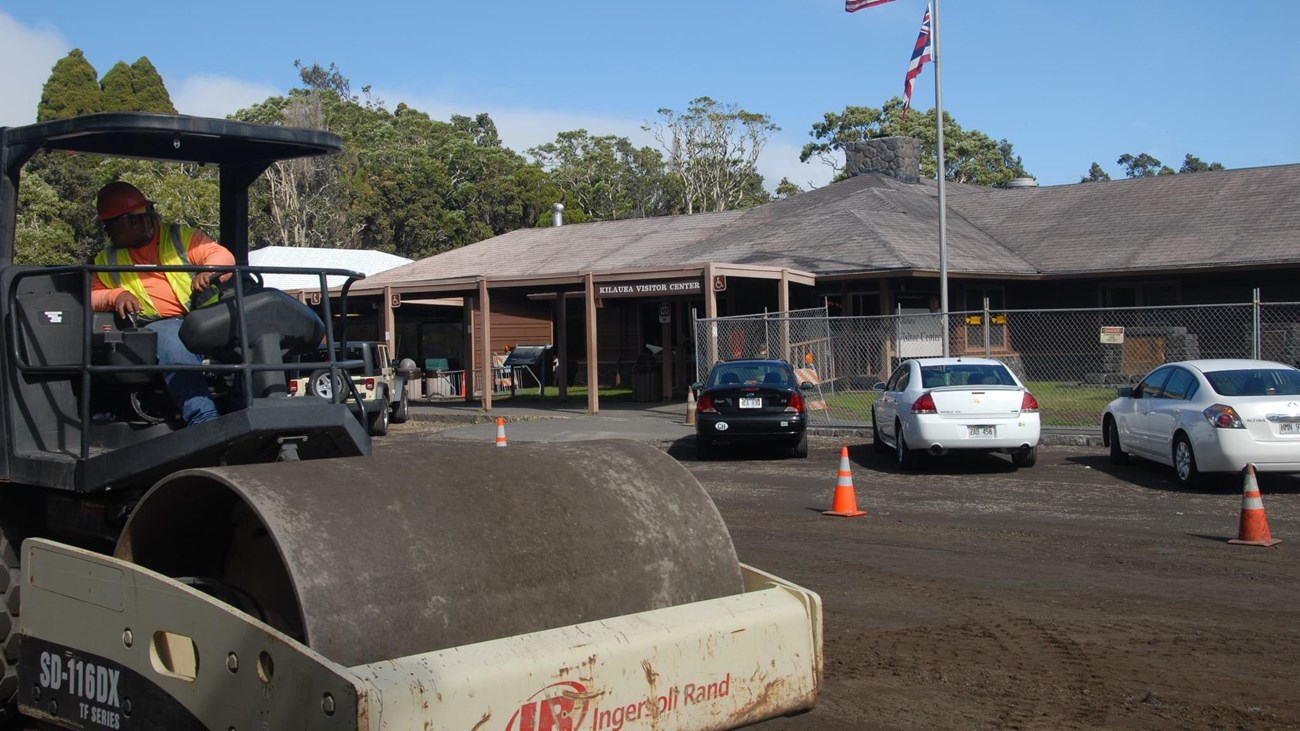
[{"x": 173, "y": 250}]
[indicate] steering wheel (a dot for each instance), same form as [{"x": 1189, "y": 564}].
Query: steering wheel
[{"x": 220, "y": 290}]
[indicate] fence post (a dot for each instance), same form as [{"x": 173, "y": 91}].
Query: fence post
[
  {"x": 988, "y": 350},
  {"x": 1255, "y": 339}
]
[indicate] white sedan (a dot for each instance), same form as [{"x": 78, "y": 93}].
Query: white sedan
[
  {"x": 936, "y": 405},
  {"x": 1203, "y": 416}
]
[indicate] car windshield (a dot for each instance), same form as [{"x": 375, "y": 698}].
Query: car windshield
[
  {"x": 1255, "y": 382},
  {"x": 751, "y": 374},
  {"x": 966, "y": 374}
]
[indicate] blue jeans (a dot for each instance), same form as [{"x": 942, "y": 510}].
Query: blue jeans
[{"x": 189, "y": 389}]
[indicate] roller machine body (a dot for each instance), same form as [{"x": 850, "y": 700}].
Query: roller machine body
[{"x": 264, "y": 570}]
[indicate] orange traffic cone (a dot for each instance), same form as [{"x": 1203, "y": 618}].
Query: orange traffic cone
[
  {"x": 845, "y": 505},
  {"x": 690, "y": 406},
  {"x": 1254, "y": 526},
  {"x": 501, "y": 432}
]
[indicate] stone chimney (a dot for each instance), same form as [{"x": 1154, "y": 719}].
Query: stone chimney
[{"x": 897, "y": 157}]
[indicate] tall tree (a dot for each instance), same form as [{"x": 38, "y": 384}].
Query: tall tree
[
  {"x": 608, "y": 176},
  {"x": 71, "y": 89},
  {"x": 1143, "y": 166},
  {"x": 149, "y": 91},
  {"x": 1095, "y": 175},
  {"x": 971, "y": 155},
  {"x": 480, "y": 127},
  {"x": 118, "y": 89},
  {"x": 1193, "y": 164},
  {"x": 713, "y": 149},
  {"x": 786, "y": 189}
]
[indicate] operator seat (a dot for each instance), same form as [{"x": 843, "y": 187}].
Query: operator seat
[{"x": 279, "y": 327}]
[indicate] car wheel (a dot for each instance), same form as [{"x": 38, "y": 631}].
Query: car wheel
[
  {"x": 320, "y": 384},
  {"x": 402, "y": 411},
  {"x": 379, "y": 419},
  {"x": 1185, "y": 463},
  {"x": 1025, "y": 457},
  {"x": 800, "y": 449},
  {"x": 877, "y": 443},
  {"x": 703, "y": 450},
  {"x": 1117, "y": 453},
  {"x": 907, "y": 458}
]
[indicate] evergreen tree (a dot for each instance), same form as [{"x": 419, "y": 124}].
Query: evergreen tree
[
  {"x": 72, "y": 89},
  {"x": 150, "y": 91},
  {"x": 118, "y": 90},
  {"x": 1095, "y": 175}
]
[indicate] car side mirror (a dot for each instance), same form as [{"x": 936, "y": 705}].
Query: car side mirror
[
  {"x": 1124, "y": 392},
  {"x": 697, "y": 386},
  {"x": 880, "y": 386},
  {"x": 807, "y": 386}
]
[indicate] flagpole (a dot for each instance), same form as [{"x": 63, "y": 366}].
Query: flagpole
[{"x": 943, "y": 214}]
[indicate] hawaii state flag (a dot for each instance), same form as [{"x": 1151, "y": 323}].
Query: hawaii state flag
[
  {"x": 922, "y": 52},
  {"x": 853, "y": 6}
]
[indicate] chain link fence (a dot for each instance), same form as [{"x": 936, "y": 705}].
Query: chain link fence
[{"x": 1072, "y": 360}]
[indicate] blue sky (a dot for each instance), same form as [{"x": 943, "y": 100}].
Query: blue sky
[{"x": 1066, "y": 82}]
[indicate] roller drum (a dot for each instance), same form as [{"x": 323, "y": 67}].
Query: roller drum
[{"x": 435, "y": 545}]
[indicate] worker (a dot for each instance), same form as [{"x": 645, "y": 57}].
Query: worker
[{"x": 139, "y": 236}]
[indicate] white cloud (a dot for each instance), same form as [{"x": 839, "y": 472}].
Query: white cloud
[
  {"x": 218, "y": 96},
  {"x": 26, "y": 57}
]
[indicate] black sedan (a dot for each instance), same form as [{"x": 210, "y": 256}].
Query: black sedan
[{"x": 748, "y": 402}]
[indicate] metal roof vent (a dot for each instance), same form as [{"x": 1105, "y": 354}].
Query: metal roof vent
[
  {"x": 557, "y": 214},
  {"x": 1022, "y": 183}
]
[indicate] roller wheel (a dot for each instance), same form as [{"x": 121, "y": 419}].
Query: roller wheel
[
  {"x": 288, "y": 542},
  {"x": 1185, "y": 463},
  {"x": 907, "y": 458},
  {"x": 800, "y": 448},
  {"x": 402, "y": 411},
  {"x": 1117, "y": 453},
  {"x": 877, "y": 443},
  {"x": 1024, "y": 458},
  {"x": 379, "y": 419}
]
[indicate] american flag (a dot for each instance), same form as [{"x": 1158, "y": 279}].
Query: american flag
[
  {"x": 852, "y": 6},
  {"x": 922, "y": 52}
]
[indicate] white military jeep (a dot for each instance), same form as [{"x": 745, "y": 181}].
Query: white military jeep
[{"x": 378, "y": 386}]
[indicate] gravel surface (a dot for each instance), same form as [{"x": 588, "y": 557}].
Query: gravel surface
[{"x": 1074, "y": 594}]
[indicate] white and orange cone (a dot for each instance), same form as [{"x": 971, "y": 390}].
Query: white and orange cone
[
  {"x": 845, "y": 503},
  {"x": 501, "y": 432},
  {"x": 1253, "y": 530},
  {"x": 690, "y": 406}
]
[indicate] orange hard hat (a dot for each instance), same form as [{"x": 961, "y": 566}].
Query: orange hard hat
[{"x": 118, "y": 198}]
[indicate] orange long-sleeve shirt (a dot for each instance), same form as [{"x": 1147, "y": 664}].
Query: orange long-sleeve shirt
[{"x": 203, "y": 251}]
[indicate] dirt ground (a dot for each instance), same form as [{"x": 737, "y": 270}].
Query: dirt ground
[{"x": 1074, "y": 594}]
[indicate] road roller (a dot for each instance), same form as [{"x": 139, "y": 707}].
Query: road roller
[{"x": 265, "y": 570}]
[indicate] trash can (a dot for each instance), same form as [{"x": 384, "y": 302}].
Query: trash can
[{"x": 647, "y": 382}]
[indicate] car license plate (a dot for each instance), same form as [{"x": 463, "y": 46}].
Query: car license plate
[
  {"x": 753, "y": 402},
  {"x": 1288, "y": 428},
  {"x": 981, "y": 432}
]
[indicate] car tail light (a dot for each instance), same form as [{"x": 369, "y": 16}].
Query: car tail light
[
  {"x": 924, "y": 405},
  {"x": 705, "y": 405},
  {"x": 293, "y": 388},
  {"x": 796, "y": 404},
  {"x": 1223, "y": 417},
  {"x": 370, "y": 384},
  {"x": 1028, "y": 403}
]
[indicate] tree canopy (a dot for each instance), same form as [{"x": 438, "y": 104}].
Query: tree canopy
[
  {"x": 72, "y": 89},
  {"x": 971, "y": 156}
]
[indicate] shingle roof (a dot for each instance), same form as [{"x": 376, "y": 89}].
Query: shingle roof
[{"x": 874, "y": 223}]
